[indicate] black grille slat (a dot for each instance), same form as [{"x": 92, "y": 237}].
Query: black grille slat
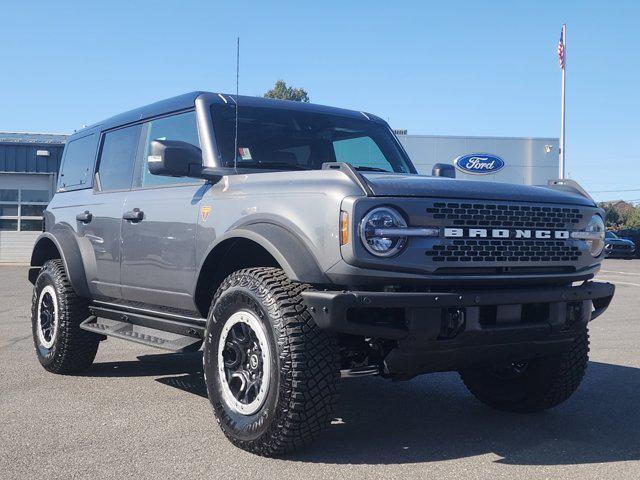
[
  {"x": 492, "y": 215},
  {"x": 473, "y": 250}
]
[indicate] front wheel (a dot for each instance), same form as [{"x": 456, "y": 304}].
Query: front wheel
[
  {"x": 531, "y": 385},
  {"x": 272, "y": 375}
]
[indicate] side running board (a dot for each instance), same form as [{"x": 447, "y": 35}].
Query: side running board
[{"x": 146, "y": 329}]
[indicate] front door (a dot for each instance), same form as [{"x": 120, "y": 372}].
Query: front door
[
  {"x": 101, "y": 224},
  {"x": 159, "y": 229}
]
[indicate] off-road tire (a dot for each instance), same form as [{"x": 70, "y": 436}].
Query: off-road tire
[
  {"x": 73, "y": 349},
  {"x": 304, "y": 364},
  {"x": 545, "y": 383}
]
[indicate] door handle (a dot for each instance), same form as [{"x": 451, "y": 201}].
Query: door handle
[
  {"x": 133, "y": 216},
  {"x": 84, "y": 217}
]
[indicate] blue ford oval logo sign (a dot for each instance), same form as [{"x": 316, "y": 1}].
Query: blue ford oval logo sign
[{"x": 479, "y": 163}]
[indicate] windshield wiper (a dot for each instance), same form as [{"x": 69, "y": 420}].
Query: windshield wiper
[
  {"x": 271, "y": 165},
  {"x": 365, "y": 168}
]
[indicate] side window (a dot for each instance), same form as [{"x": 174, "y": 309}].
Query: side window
[
  {"x": 181, "y": 127},
  {"x": 117, "y": 158},
  {"x": 361, "y": 152},
  {"x": 77, "y": 166}
]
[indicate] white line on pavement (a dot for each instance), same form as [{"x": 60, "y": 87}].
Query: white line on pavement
[
  {"x": 617, "y": 282},
  {"x": 621, "y": 273}
]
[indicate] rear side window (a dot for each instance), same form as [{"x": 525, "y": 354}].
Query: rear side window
[
  {"x": 77, "y": 166},
  {"x": 117, "y": 158},
  {"x": 181, "y": 127}
]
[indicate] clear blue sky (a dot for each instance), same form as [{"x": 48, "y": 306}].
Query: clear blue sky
[{"x": 450, "y": 68}]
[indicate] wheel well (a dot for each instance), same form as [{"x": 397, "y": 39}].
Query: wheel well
[
  {"x": 44, "y": 250},
  {"x": 231, "y": 255}
]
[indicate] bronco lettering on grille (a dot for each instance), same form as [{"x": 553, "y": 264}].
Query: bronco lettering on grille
[{"x": 505, "y": 233}]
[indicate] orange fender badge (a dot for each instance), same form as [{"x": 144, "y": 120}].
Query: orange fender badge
[{"x": 204, "y": 212}]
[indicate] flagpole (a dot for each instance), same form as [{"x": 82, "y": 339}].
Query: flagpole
[{"x": 564, "y": 75}]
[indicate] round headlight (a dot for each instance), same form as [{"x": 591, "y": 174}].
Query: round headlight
[
  {"x": 372, "y": 232},
  {"x": 596, "y": 226}
]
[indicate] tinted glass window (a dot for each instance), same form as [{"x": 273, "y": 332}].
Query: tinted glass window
[
  {"x": 288, "y": 139},
  {"x": 361, "y": 152},
  {"x": 181, "y": 127},
  {"x": 11, "y": 225},
  {"x": 118, "y": 157},
  {"x": 77, "y": 166},
  {"x": 8, "y": 210},
  {"x": 8, "y": 195},
  {"x": 41, "y": 196},
  {"x": 31, "y": 210},
  {"x": 30, "y": 225},
  {"x": 610, "y": 235}
]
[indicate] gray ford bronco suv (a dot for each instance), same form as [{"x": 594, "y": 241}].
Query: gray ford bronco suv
[{"x": 299, "y": 245}]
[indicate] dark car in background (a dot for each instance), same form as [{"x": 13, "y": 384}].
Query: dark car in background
[
  {"x": 632, "y": 234},
  {"x": 616, "y": 247}
]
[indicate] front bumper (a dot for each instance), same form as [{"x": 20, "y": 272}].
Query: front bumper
[{"x": 451, "y": 331}]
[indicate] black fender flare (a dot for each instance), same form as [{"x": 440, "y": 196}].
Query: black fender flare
[
  {"x": 66, "y": 242},
  {"x": 291, "y": 253}
]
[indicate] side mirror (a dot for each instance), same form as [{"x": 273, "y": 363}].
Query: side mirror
[
  {"x": 443, "y": 170},
  {"x": 173, "y": 158}
]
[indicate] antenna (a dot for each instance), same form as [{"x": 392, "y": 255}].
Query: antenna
[{"x": 235, "y": 149}]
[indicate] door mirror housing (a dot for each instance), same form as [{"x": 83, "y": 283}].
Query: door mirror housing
[
  {"x": 174, "y": 158},
  {"x": 443, "y": 170}
]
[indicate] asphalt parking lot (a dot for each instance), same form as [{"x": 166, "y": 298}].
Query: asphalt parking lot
[{"x": 141, "y": 413}]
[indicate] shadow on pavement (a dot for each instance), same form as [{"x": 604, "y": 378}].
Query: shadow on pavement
[{"x": 434, "y": 418}]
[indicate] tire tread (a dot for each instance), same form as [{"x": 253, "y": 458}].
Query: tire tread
[
  {"x": 75, "y": 348},
  {"x": 309, "y": 363}
]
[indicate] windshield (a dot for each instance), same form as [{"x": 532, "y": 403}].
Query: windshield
[
  {"x": 284, "y": 139},
  {"x": 610, "y": 235}
]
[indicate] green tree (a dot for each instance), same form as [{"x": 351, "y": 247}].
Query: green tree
[
  {"x": 611, "y": 215},
  {"x": 620, "y": 214},
  {"x": 284, "y": 92},
  {"x": 634, "y": 221}
]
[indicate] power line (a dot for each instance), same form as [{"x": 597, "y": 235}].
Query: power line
[{"x": 616, "y": 191}]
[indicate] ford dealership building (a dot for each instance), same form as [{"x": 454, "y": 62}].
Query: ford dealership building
[
  {"x": 29, "y": 164},
  {"x": 529, "y": 161}
]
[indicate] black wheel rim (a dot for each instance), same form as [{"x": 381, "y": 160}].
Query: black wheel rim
[
  {"x": 47, "y": 317},
  {"x": 243, "y": 363}
]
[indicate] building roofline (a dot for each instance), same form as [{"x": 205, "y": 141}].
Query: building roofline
[
  {"x": 481, "y": 137},
  {"x": 5, "y": 132}
]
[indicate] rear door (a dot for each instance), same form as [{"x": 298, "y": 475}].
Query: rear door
[
  {"x": 158, "y": 259},
  {"x": 101, "y": 224}
]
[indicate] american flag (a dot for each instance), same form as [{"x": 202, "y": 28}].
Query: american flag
[{"x": 561, "y": 50}]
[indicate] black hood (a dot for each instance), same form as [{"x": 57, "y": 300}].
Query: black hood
[{"x": 406, "y": 185}]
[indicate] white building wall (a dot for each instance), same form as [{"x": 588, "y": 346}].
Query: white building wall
[
  {"x": 16, "y": 246},
  {"x": 529, "y": 161}
]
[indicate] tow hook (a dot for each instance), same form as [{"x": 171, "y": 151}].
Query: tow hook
[{"x": 453, "y": 322}]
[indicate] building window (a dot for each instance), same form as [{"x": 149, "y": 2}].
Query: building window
[{"x": 22, "y": 210}]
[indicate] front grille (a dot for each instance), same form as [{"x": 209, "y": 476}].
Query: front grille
[
  {"x": 502, "y": 215},
  {"x": 475, "y": 250}
]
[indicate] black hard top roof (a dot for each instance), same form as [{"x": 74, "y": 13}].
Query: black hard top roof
[{"x": 187, "y": 100}]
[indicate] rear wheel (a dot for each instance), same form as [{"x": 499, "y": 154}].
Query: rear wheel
[
  {"x": 272, "y": 375},
  {"x": 531, "y": 385},
  {"x": 56, "y": 313}
]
